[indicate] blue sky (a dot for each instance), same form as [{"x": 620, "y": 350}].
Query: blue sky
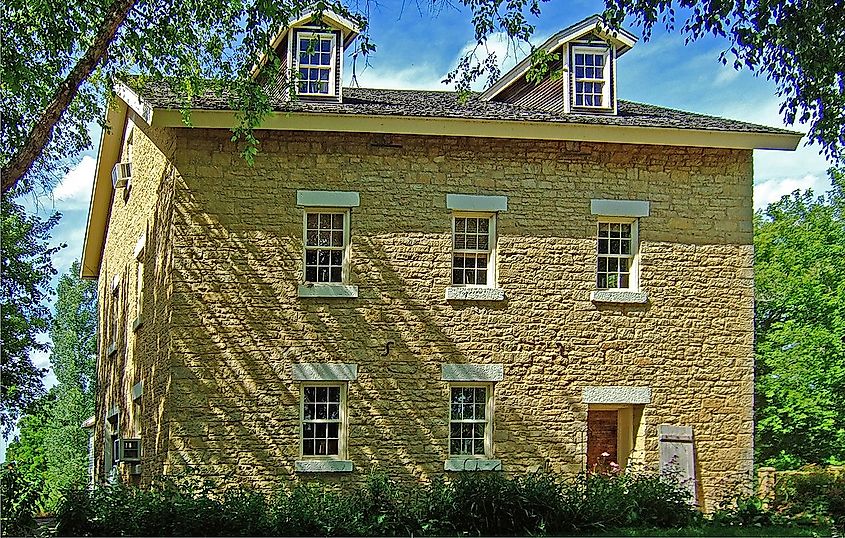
[{"x": 416, "y": 48}]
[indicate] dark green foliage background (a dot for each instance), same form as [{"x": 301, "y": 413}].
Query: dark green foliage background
[{"x": 471, "y": 504}]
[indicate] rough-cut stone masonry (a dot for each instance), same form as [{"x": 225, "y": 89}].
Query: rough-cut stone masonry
[{"x": 228, "y": 323}]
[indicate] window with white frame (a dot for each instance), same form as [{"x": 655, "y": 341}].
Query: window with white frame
[
  {"x": 316, "y": 53},
  {"x": 473, "y": 239},
  {"x": 470, "y": 421},
  {"x": 591, "y": 71},
  {"x": 617, "y": 249},
  {"x": 326, "y": 246},
  {"x": 114, "y": 312},
  {"x": 323, "y": 420}
]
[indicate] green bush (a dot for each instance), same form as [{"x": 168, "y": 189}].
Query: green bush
[
  {"x": 18, "y": 501},
  {"x": 470, "y": 504},
  {"x": 817, "y": 497}
]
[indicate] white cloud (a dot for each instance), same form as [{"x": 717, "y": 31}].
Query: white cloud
[
  {"x": 74, "y": 190},
  {"x": 414, "y": 77},
  {"x": 772, "y": 190}
]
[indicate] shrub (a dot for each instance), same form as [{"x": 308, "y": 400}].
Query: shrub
[
  {"x": 816, "y": 497},
  {"x": 469, "y": 504},
  {"x": 17, "y": 503}
]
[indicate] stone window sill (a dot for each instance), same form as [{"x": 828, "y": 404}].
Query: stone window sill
[
  {"x": 112, "y": 349},
  {"x": 340, "y": 291},
  {"x": 470, "y": 464},
  {"x": 323, "y": 466},
  {"x": 461, "y": 293},
  {"x": 137, "y": 324},
  {"x": 619, "y": 296}
]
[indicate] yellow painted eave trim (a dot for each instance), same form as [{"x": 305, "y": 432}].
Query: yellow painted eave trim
[
  {"x": 101, "y": 193},
  {"x": 662, "y": 136}
]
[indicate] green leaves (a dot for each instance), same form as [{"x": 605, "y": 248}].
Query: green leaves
[
  {"x": 24, "y": 288},
  {"x": 800, "y": 330},
  {"x": 798, "y": 45}
]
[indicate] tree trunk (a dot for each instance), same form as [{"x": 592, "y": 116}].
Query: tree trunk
[{"x": 39, "y": 135}]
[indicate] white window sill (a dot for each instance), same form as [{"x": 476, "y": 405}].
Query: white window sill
[
  {"x": 111, "y": 350},
  {"x": 619, "y": 296},
  {"x": 464, "y": 293},
  {"x": 341, "y": 291},
  {"x": 323, "y": 466},
  {"x": 471, "y": 464}
]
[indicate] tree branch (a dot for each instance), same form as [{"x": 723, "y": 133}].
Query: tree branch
[{"x": 39, "y": 134}]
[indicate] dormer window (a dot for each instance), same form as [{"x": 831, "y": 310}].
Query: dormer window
[
  {"x": 316, "y": 61},
  {"x": 591, "y": 73}
]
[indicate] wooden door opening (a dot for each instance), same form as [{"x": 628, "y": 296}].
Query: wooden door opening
[{"x": 602, "y": 438}]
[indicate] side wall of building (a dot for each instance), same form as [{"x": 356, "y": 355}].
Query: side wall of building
[
  {"x": 132, "y": 370},
  {"x": 238, "y": 323}
]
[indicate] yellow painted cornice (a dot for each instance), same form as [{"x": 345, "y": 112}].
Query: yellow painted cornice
[{"x": 412, "y": 125}]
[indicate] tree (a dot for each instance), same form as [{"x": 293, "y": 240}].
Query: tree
[
  {"x": 74, "y": 335},
  {"x": 26, "y": 274},
  {"x": 51, "y": 450},
  {"x": 800, "y": 328},
  {"x": 61, "y": 60},
  {"x": 800, "y": 46}
]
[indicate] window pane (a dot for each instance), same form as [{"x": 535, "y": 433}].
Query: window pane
[
  {"x": 336, "y": 274},
  {"x": 601, "y": 281},
  {"x": 320, "y": 447},
  {"x": 481, "y": 277},
  {"x": 603, "y": 246},
  {"x": 479, "y": 447},
  {"x": 455, "y": 447},
  {"x": 337, "y": 238},
  {"x": 337, "y": 257},
  {"x": 623, "y": 280},
  {"x": 311, "y": 274},
  {"x": 460, "y": 225},
  {"x": 323, "y": 256},
  {"x": 308, "y": 447},
  {"x": 466, "y": 447},
  {"x": 309, "y": 394},
  {"x": 483, "y": 242},
  {"x": 469, "y": 277},
  {"x": 308, "y": 430},
  {"x": 325, "y": 45},
  {"x": 333, "y": 448},
  {"x": 484, "y": 225},
  {"x": 460, "y": 241},
  {"x": 337, "y": 221},
  {"x": 457, "y": 276},
  {"x": 322, "y": 411},
  {"x": 479, "y": 411},
  {"x": 312, "y": 238},
  {"x": 458, "y": 261},
  {"x": 472, "y": 241}
]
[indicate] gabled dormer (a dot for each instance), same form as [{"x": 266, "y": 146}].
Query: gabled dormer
[
  {"x": 582, "y": 74},
  {"x": 311, "y": 51}
]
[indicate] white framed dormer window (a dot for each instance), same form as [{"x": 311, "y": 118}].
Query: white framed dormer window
[
  {"x": 316, "y": 63},
  {"x": 616, "y": 254},
  {"x": 473, "y": 249},
  {"x": 471, "y": 420},
  {"x": 591, "y": 77},
  {"x": 323, "y": 421}
]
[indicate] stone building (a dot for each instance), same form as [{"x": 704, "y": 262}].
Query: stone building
[{"x": 404, "y": 280}]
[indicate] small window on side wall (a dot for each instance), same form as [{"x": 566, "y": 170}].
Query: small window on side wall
[
  {"x": 473, "y": 246},
  {"x": 326, "y": 246},
  {"x": 616, "y": 255}
]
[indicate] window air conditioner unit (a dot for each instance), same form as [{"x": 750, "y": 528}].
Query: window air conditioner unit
[
  {"x": 130, "y": 451},
  {"x": 121, "y": 174}
]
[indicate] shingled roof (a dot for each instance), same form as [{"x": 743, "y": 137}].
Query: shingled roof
[{"x": 448, "y": 104}]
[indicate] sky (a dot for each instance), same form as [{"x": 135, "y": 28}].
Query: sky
[{"x": 417, "y": 47}]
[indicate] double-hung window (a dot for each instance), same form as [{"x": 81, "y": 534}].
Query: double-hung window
[
  {"x": 323, "y": 420},
  {"x": 316, "y": 53},
  {"x": 326, "y": 246},
  {"x": 470, "y": 421},
  {"x": 591, "y": 77},
  {"x": 617, "y": 249},
  {"x": 473, "y": 241}
]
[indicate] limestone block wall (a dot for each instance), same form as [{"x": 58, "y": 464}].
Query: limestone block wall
[
  {"x": 237, "y": 323},
  {"x": 140, "y": 352}
]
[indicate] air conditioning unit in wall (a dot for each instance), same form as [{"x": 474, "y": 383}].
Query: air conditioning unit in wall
[
  {"x": 121, "y": 174},
  {"x": 129, "y": 451}
]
